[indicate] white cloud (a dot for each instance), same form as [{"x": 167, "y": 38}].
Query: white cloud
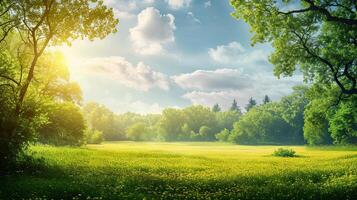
[
  {"x": 177, "y": 4},
  {"x": 223, "y": 85},
  {"x": 140, "y": 77},
  {"x": 235, "y": 53},
  {"x": 152, "y": 31},
  {"x": 193, "y": 17},
  {"x": 208, "y": 4},
  {"x": 125, "y": 9},
  {"x": 213, "y": 80}
]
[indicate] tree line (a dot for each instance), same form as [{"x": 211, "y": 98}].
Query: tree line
[{"x": 303, "y": 117}]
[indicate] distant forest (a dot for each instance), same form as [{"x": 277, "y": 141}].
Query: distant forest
[{"x": 300, "y": 118}]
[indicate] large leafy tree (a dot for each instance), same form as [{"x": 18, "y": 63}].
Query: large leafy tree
[
  {"x": 319, "y": 36},
  {"x": 38, "y": 24}
]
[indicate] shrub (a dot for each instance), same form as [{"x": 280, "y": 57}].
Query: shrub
[{"x": 281, "y": 152}]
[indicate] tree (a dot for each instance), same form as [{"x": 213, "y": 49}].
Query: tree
[
  {"x": 329, "y": 119},
  {"x": 39, "y": 24},
  {"x": 318, "y": 36},
  {"x": 292, "y": 109},
  {"x": 343, "y": 124},
  {"x": 266, "y": 99},
  {"x": 262, "y": 125},
  {"x": 223, "y": 135},
  {"x": 137, "y": 132},
  {"x": 251, "y": 104},
  {"x": 102, "y": 119},
  {"x": 198, "y": 116},
  {"x": 235, "y": 106},
  {"x": 171, "y": 123},
  {"x": 225, "y": 120},
  {"x": 216, "y": 108},
  {"x": 65, "y": 126},
  {"x": 206, "y": 133}
]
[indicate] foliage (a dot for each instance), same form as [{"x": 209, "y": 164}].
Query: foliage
[
  {"x": 102, "y": 119},
  {"x": 284, "y": 152},
  {"x": 266, "y": 99},
  {"x": 137, "y": 132},
  {"x": 65, "y": 125},
  {"x": 94, "y": 136},
  {"x": 227, "y": 119},
  {"x": 343, "y": 124},
  {"x": 262, "y": 125},
  {"x": 234, "y": 106},
  {"x": 329, "y": 119},
  {"x": 147, "y": 170},
  {"x": 216, "y": 108},
  {"x": 251, "y": 104},
  {"x": 292, "y": 109},
  {"x": 187, "y": 123},
  {"x": 27, "y": 28},
  {"x": 317, "y": 36},
  {"x": 223, "y": 135}
]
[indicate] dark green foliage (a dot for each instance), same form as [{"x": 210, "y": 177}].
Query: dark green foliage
[
  {"x": 234, "y": 106},
  {"x": 216, "y": 108},
  {"x": 262, "y": 125},
  {"x": 283, "y": 152},
  {"x": 251, "y": 104},
  {"x": 225, "y": 120},
  {"x": 343, "y": 123},
  {"x": 292, "y": 111},
  {"x": 327, "y": 122},
  {"x": 266, "y": 99},
  {"x": 65, "y": 125}
]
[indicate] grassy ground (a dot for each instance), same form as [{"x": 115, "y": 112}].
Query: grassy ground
[{"x": 130, "y": 170}]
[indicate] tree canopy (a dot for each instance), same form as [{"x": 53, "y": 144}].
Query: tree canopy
[{"x": 319, "y": 36}]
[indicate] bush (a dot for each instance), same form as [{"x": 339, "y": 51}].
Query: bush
[{"x": 281, "y": 152}]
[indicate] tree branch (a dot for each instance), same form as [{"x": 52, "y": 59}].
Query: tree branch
[
  {"x": 324, "y": 12},
  {"x": 9, "y": 78}
]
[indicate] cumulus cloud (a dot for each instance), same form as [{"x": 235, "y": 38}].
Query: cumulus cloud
[
  {"x": 220, "y": 79},
  {"x": 153, "y": 31},
  {"x": 223, "y": 85},
  {"x": 235, "y": 54},
  {"x": 140, "y": 77},
  {"x": 177, "y": 4}
]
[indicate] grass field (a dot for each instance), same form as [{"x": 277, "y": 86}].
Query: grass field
[{"x": 133, "y": 170}]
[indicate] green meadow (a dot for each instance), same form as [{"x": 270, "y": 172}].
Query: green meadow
[{"x": 149, "y": 170}]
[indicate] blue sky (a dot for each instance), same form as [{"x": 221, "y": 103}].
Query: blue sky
[{"x": 174, "y": 53}]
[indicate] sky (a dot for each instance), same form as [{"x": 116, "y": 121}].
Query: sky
[{"x": 174, "y": 53}]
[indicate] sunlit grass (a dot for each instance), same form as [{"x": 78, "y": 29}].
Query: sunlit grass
[{"x": 188, "y": 170}]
